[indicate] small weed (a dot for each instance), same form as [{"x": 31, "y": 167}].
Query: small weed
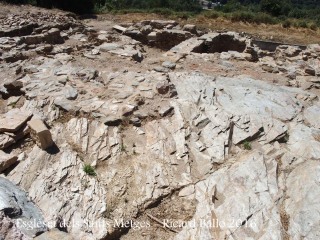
[
  {"x": 212, "y": 14},
  {"x": 123, "y": 148},
  {"x": 303, "y": 24},
  {"x": 89, "y": 170},
  {"x": 13, "y": 105},
  {"x": 247, "y": 145}
]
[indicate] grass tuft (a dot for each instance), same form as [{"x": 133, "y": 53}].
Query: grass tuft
[
  {"x": 247, "y": 145},
  {"x": 89, "y": 170}
]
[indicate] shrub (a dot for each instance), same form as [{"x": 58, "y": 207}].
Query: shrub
[
  {"x": 243, "y": 17},
  {"x": 302, "y": 24},
  {"x": 247, "y": 145},
  {"x": 275, "y": 7},
  {"x": 162, "y": 11},
  {"x": 251, "y": 17},
  {"x": 211, "y": 14},
  {"x": 89, "y": 170}
]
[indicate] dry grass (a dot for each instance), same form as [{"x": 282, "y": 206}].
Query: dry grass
[{"x": 258, "y": 31}]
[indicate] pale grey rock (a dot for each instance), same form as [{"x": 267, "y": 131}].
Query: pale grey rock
[
  {"x": 168, "y": 64},
  {"x": 312, "y": 116},
  {"x": 187, "y": 46},
  {"x": 13, "y": 120},
  {"x": 159, "y": 24},
  {"x": 119, "y": 28},
  {"x": 66, "y": 105},
  {"x": 70, "y": 93},
  {"x": 9, "y": 231},
  {"x": 6, "y": 160},
  {"x": 106, "y": 47},
  {"x": 302, "y": 201},
  {"x": 161, "y": 69},
  {"x": 15, "y": 203},
  {"x": 254, "y": 189},
  {"x": 304, "y": 142}
]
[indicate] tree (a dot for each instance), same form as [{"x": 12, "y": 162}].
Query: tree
[{"x": 276, "y": 7}]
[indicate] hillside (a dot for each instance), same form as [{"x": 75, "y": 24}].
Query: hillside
[{"x": 130, "y": 127}]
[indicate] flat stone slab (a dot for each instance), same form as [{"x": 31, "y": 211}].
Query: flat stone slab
[
  {"x": 7, "y": 160},
  {"x": 119, "y": 28},
  {"x": 13, "y": 120}
]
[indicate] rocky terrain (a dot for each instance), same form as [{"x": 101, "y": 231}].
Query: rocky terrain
[{"x": 153, "y": 130}]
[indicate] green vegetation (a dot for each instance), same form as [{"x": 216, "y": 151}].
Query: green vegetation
[
  {"x": 288, "y": 13},
  {"x": 89, "y": 170},
  {"x": 247, "y": 145},
  {"x": 297, "y": 13},
  {"x": 123, "y": 148},
  {"x": 90, "y": 6}
]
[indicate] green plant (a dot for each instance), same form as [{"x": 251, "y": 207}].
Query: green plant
[
  {"x": 211, "y": 14},
  {"x": 13, "y": 105},
  {"x": 247, "y": 145},
  {"x": 302, "y": 24},
  {"x": 89, "y": 170},
  {"x": 275, "y": 7},
  {"x": 123, "y": 148}
]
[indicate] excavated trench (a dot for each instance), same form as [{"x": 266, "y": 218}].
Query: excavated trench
[{"x": 221, "y": 43}]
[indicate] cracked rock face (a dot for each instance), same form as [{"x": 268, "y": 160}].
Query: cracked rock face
[
  {"x": 14, "y": 204},
  {"x": 213, "y": 139}
]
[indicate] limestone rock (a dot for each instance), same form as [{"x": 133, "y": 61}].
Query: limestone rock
[
  {"x": 71, "y": 93},
  {"x": 169, "y": 65},
  {"x": 9, "y": 231},
  {"x": 190, "y": 28},
  {"x": 6, "y": 160},
  {"x": 40, "y": 133},
  {"x": 15, "y": 204},
  {"x": 217, "y": 215},
  {"x": 13, "y": 120},
  {"x": 311, "y": 114}
]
